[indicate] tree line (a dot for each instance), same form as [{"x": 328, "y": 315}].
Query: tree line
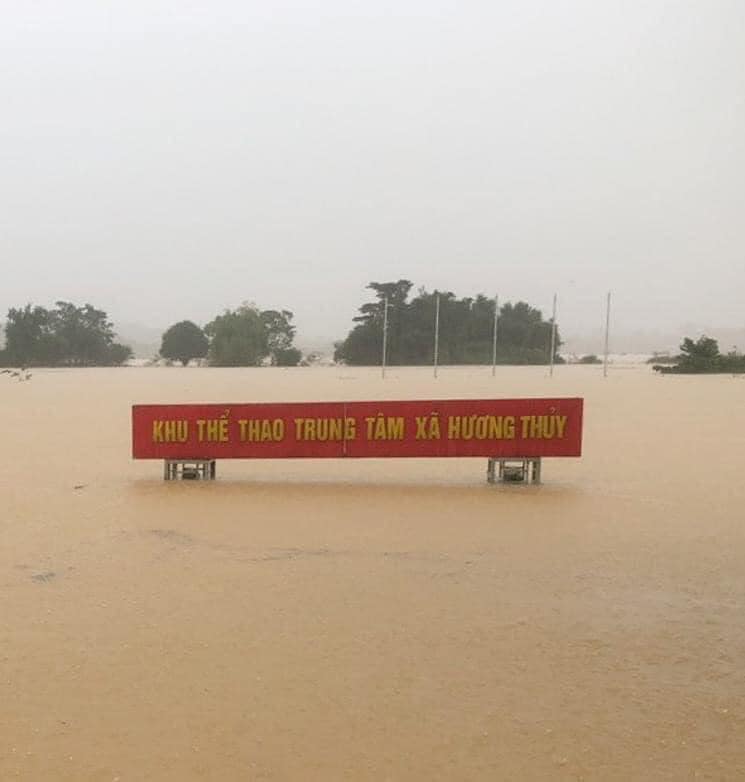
[
  {"x": 69, "y": 335},
  {"x": 65, "y": 335},
  {"x": 466, "y": 330},
  {"x": 243, "y": 337},
  {"x": 83, "y": 336}
]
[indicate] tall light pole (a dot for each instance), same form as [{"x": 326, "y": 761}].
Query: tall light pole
[
  {"x": 494, "y": 346},
  {"x": 437, "y": 332},
  {"x": 607, "y": 333},
  {"x": 553, "y": 340},
  {"x": 385, "y": 333}
]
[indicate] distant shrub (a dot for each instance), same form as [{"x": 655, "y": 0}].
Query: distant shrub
[
  {"x": 183, "y": 342},
  {"x": 287, "y": 357},
  {"x": 703, "y": 357}
]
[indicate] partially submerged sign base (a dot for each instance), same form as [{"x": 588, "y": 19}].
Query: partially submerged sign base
[
  {"x": 189, "y": 469},
  {"x": 513, "y": 470},
  {"x": 513, "y": 434}
]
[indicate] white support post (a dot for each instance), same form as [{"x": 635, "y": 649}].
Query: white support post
[
  {"x": 437, "y": 333},
  {"x": 385, "y": 334},
  {"x": 494, "y": 346},
  {"x": 514, "y": 470},
  {"x": 553, "y": 340},
  {"x": 607, "y": 333}
]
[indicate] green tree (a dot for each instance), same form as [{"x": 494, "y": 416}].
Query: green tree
[
  {"x": 118, "y": 354},
  {"x": 523, "y": 336},
  {"x": 184, "y": 341},
  {"x": 85, "y": 334},
  {"x": 279, "y": 334},
  {"x": 703, "y": 356},
  {"x": 700, "y": 356},
  {"x": 30, "y": 339},
  {"x": 465, "y": 336},
  {"x": 65, "y": 336},
  {"x": 237, "y": 338},
  {"x": 363, "y": 344},
  {"x": 287, "y": 357}
]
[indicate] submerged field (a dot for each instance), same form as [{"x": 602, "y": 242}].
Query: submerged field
[{"x": 373, "y": 620}]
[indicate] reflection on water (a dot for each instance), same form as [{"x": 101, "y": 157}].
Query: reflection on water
[{"x": 372, "y": 619}]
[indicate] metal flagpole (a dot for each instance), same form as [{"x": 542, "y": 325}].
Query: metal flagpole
[
  {"x": 494, "y": 347},
  {"x": 437, "y": 331},
  {"x": 385, "y": 332},
  {"x": 553, "y": 340},
  {"x": 607, "y": 330}
]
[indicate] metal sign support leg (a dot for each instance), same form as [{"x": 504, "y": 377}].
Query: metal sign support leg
[
  {"x": 189, "y": 469},
  {"x": 515, "y": 470}
]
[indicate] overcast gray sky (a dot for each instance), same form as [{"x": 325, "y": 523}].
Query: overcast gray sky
[{"x": 164, "y": 160}]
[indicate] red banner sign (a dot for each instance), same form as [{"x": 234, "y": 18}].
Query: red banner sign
[{"x": 463, "y": 427}]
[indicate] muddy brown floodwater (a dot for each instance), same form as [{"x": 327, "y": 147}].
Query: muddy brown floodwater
[{"x": 373, "y": 620}]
